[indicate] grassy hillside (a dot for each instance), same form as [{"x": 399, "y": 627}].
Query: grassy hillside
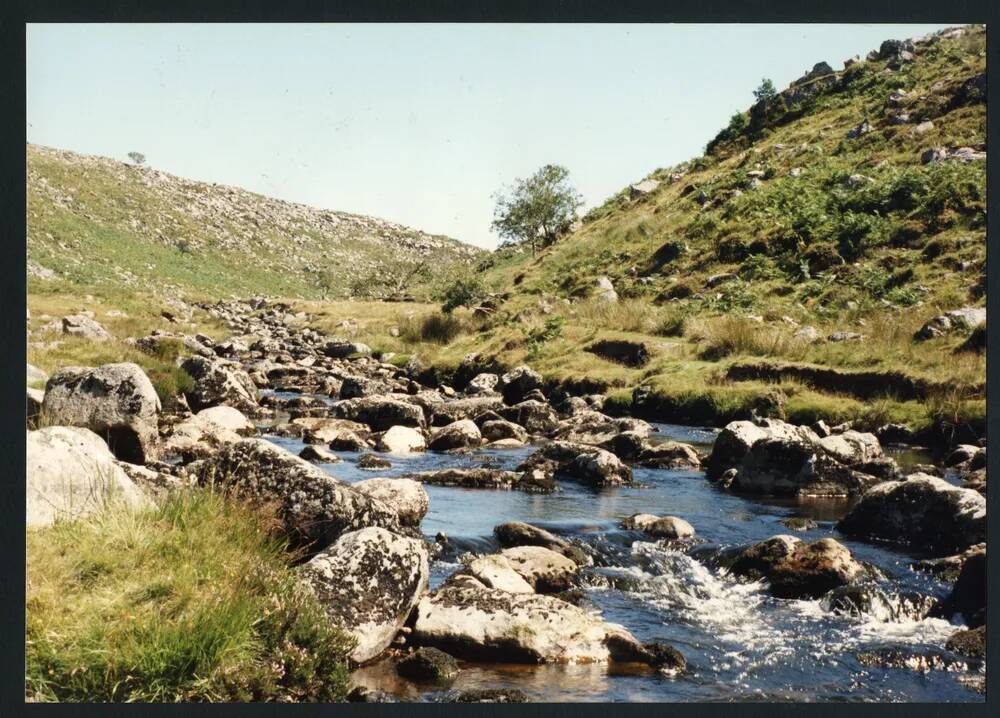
[
  {"x": 817, "y": 227},
  {"x": 100, "y": 224}
]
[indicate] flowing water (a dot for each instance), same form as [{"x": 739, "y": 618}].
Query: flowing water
[{"x": 740, "y": 643}]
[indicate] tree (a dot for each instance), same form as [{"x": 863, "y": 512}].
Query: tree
[
  {"x": 137, "y": 157},
  {"x": 765, "y": 92},
  {"x": 537, "y": 209}
]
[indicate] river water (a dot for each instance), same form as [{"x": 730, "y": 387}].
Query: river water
[{"x": 741, "y": 644}]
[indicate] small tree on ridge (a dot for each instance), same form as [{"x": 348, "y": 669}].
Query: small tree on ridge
[{"x": 537, "y": 209}]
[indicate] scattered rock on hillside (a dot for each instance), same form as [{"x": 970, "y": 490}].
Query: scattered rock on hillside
[
  {"x": 368, "y": 582},
  {"x": 957, "y": 319},
  {"x": 605, "y": 290},
  {"x": 72, "y": 474},
  {"x": 80, "y": 325},
  {"x": 116, "y": 401}
]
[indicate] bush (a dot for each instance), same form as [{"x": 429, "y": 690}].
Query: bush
[
  {"x": 536, "y": 338},
  {"x": 437, "y": 328},
  {"x": 191, "y": 601},
  {"x": 464, "y": 291}
]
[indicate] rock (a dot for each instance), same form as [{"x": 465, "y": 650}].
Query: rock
[
  {"x": 404, "y": 496},
  {"x": 314, "y": 507},
  {"x": 971, "y": 643},
  {"x": 116, "y": 401},
  {"x": 368, "y": 582},
  {"x": 228, "y": 418},
  {"x": 957, "y": 319},
  {"x": 976, "y": 341},
  {"x": 859, "y": 130},
  {"x": 604, "y": 290},
  {"x": 35, "y": 376},
  {"x": 80, "y": 325},
  {"x": 481, "y": 478},
  {"x": 517, "y": 383},
  {"x": 491, "y": 625},
  {"x": 370, "y": 461},
  {"x": 380, "y": 412},
  {"x": 945, "y": 154},
  {"x": 807, "y": 333},
  {"x": 218, "y": 381},
  {"x": 968, "y": 595},
  {"x": 197, "y": 438},
  {"x": 845, "y": 337},
  {"x": 463, "y": 434},
  {"x": 321, "y": 430},
  {"x": 580, "y": 462},
  {"x": 717, "y": 279},
  {"x": 924, "y": 512},
  {"x": 362, "y": 694},
  {"x": 798, "y": 523},
  {"x": 798, "y": 570},
  {"x": 318, "y": 454},
  {"x": 484, "y": 383},
  {"x": 669, "y": 455},
  {"x": 501, "y": 429},
  {"x": 546, "y": 571},
  {"x": 961, "y": 454},
  {"x": 633, "y": 354},
  {"x": 852, "y": 447},
  {"x": 517, "y": 533},
  {"x": 642, "y": 188},
  {"x": 535, "y": 416},
  {"x": 667, "y": 527},
  {"x": 736, "y": 439},
  {"x": 496, "y": 571},
  {"x": 34, "y": 398},
  {"x": 923, "y": 128},
  {"x": 72, "y": 474},
  {"x": 429, "y": 665},
  {"x": 340, "y": 349},
  {"x": 401, "y": 440}
]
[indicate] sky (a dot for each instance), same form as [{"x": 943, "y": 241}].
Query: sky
[{"x": 418, "y": 124}]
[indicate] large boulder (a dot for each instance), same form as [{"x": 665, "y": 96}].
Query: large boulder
[
  {"x": 535, "y": 416},
  {"x": 368, "y": 582},
  {"x": 463, "y": 434},
  {"x": 218, "y": 381},
  {"x": 923, "y": 512},
  {"x": 736, "y": 439},
  {"x": 72, "y": 474},
  {"x": 229, "y": 418},
  {"x": 516, "y": 384},
  {"x": 483, "y": 383},
  {"x": 116, "y": 401},
  {"x": 496, "y": 571},
  {"x": 485, "y": 478},
  {"x": 401, "y": 440},
  {"x": 795, "y": 569},
  {"x": 579, "y": 462},
  {"x": 501, "y": 429},
  {"x": 200, "y": 436},
  {"x": 314, "y": 507},
  {"x": 479, "y": 623},
  {"x": 80, "y": 325},
  {"x": 545, "y": 570},
  {"x": 406, "y": 497},
  {"x": 957, "y": 319},
  {"x": 380, "y": 412},
  {"x": 968, "y": 595},
  {"x": 794, "y": 467}
]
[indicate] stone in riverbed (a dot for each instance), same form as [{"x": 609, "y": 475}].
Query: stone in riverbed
[
  {"x": 535, "y": 416},
  {"x": 970, "y": 642},
  {"x": 968, "y": 595},
  {"x": 924, "y": 512},
  {"x": 666, "y": 527},
  {"x": 496, "y": 571},
  {"x": 516, "y": 384},
  {"x": 401, "y": 440},
  {"x": 368, "y": 582},
  {"x": 314, "y": 507},
  {"x": 429, "y": 665},
  {"x": 737, "y": 438},
  {"x": 517, "y": 533},
  {"x": 546, "y": 571},
  {"x": 380, "y": 412},
  {"x": 406, "y": 497},
  {"x": 798, "y": 570},
  {"x": 115, "y": 401},
  {"x": 490, "y": 695},
  {"x": 482, "y": 478},
  {"x": 463, "y": 434},
  {"x": 501, "y": 429},
  {"x": 217, "y": 381},
  {"x": 318, "y": 454},
  {"x": 580, "y": 462},
  {"x": 370, "y": 461}
]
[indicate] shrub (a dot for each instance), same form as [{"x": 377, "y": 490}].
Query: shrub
[
  {"x": 190, "y": 601},
  {"x": 465, "y": 291},
  {"x": 438, "y": 328},
  {"x": 537, "y": 337}
]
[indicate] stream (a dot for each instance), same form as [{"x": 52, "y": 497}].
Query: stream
[{"x": 741, "y": 644}]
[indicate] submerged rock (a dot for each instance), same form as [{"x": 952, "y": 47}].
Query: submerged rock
[
  {"x": 368, "y": 582},
  {"x": 429, "y": 665}
]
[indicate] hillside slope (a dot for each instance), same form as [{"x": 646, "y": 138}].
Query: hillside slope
[
  {"x": 820, "y": 231},
  {"x": 94, "y": 221}
]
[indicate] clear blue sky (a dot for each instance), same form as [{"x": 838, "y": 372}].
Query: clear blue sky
[{"x": 418, "y": 124}]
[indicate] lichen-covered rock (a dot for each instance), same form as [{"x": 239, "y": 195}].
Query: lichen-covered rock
[
  {"x": 80, "y": 325},
  {"x": 798, "y": 570},
  {"x": 580, "y": 462},
  {"x": 516, "y": 384},
  {"x": 957, "y": 319},
  {"x": 535, "y": 416},
  {"x": 217, "y": 382},
  {"x": 428, "y": 665},
  {"x": 665, "y": 527},
  {"x": 199, "y": 436},
  {"x": 404, "y": 496},
  {"x": 229, "y": 418},
  {"x": 315, "y": 507},
  {"x": 669, "y": 455},
  {"x": 496, "y": 571},
  {"x": 794, "y": 467},
  {"x": 116, "y": 401},
  {"x": 483, "y": 478},
  {"x": 491, "y": 625},
  {"x": 72, "y": 474},
  {"x": 318, "y": 455},
  {"x": 968, "y": 642},
  {"x": 483, "y": 383},
  {"x": 736, "y": 439},
  {"x": 401, "y": 440},
  {"x": 368, "y": 582},
  {"x": 380, "y": 412},
  {"x": 545, "y": 570},
  {"x": 501, "y": 429},
  {"x": 463, "y": 434},
  {"x": 924, "y": 512}
]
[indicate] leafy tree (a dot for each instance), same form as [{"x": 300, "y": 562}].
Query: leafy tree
[
  {"x": 765, "y": 91},
  {"x": 137, "y": 158},
  {"x": 537, "y": 209},
  {"x": 390, "y": 278},
  {"x": 463, "y": 291}
]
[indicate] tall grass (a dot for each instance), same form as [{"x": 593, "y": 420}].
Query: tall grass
[{"x": 192, "y": 601}]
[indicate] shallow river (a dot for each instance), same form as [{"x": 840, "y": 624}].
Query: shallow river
[{"x": 740, "y": 643}]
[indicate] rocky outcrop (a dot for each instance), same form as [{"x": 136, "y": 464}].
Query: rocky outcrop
[
  {"x": 72, "y": 474},
  {"x": 380, "y": 412},
  {"x": 217, "y": 382},
  {"x": 924, "y": 512},
  {"x": 116, "y": 401},
  {"x": 798, "y": 570},
  {"x": 314, "y": 507},
  {"x": 404, "y": 496},
  {"x": 368, "y": 582}
]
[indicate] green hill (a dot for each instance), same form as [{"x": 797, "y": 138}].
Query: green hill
[{"x": 842, "y": 206}]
